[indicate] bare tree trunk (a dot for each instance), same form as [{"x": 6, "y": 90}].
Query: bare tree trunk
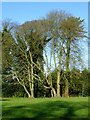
[
  {"x": 32, "y": 90},
  {"x": 51, "y": 85},
  {"x": 58, "y": 84},
  {"x": 32, "y": 84},
  {"x": 58, "y": 73},
  {"x": 54, "y": 92},
  {"x": 32, "y": 79},
  {"x": 67, "y": 69},
  {"x": 23, "y": 85},
  {"x": 29, "y": 96},
  {"x": 66, "y": 94}
]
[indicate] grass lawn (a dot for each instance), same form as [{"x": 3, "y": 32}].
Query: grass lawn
[{"x": 76, "y": 107}]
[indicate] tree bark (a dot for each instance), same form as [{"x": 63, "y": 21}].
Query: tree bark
[
  {"x": 54, "y": 92},
  {"x": 66, "y": 94},
  {"x": 32, "y": 83},
  {"x": 67, "y": 69},
  {"x": 58, "y": 74},
  {"x": 58, "y": 84},
  {"x": 32, "y": 94},
  {"x": 29, "y": 96}
]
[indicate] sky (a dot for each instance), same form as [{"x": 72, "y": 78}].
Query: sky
[
  {"x": 21, "y": 12},
  {"x": 26, "y": 11},
  {"x": 44, "y": 0}
]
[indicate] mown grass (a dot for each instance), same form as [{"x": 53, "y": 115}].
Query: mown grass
[{"x": 76, "y": 107}]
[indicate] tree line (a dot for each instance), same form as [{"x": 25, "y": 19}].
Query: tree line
[{"x": 42, "y": 57}]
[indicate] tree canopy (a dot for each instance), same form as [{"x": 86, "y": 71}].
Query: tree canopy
[{"x": 30, "y": 48}]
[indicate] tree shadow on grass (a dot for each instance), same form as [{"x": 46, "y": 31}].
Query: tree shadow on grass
[
  {"x": 4, "y": 99},
  {"x": 50, "y": 110}
]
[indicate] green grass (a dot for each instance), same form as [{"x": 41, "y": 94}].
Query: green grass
[{"x": 76, "y": 107}]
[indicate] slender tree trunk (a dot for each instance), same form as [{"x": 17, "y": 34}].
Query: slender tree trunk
[
  {"x": 58, "y": 76},
  {"x": 66, "y": 86},
  {"x": 67, "y": 69},
  {"x": 58, "y": 84},
  {"x": 66, "y": 94},
  {"x": 32, "y": 89},
  {"x": 29, "y": 96},
  {"x": 23, "y": 86},
  {"x": 51, "y": 89},
  {"x": 54, "y": 92},
  {"x": 32, "y": 94},
  {"x": 32, "y": 84}
]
